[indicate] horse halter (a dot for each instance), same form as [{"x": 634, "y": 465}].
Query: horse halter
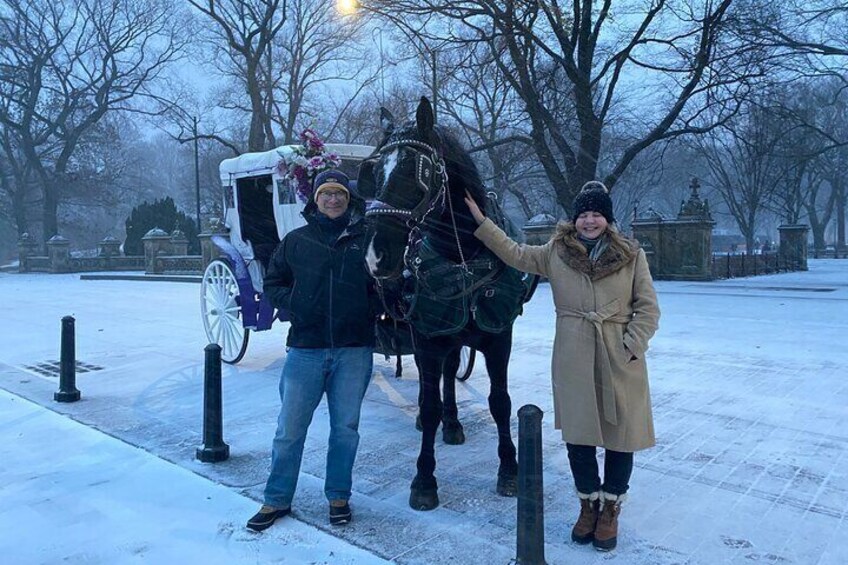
[{"x": 430, "y": 178}]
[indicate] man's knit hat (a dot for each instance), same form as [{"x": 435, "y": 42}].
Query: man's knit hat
[
  {"x": 593, "y": 197},
  {"x": 331, "y": 179}
]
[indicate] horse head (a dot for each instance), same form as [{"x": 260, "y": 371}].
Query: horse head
[{"x": 409, "y": 179}]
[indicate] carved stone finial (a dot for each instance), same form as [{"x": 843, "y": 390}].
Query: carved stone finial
[{"x": 695, "y": 207}]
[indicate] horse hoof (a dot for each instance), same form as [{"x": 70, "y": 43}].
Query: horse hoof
[
  {"x": 507, "y": 486},
  {"x": 424, "y": 498},
  {"x": 453, "y": 435},
  {"x": 418, "y": 425}
]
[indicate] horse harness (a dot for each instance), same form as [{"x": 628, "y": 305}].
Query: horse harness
[
  {"x": 436, "y": 294},
  {"x": 431, "y": 178}
]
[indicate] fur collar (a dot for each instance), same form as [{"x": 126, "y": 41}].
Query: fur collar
[{"x": 621, "y": 252}]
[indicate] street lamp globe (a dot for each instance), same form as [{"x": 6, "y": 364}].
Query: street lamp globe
[{"x": 347, "y": 7}]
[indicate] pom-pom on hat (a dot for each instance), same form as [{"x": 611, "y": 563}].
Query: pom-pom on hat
[
  {"x": 593, "y": 197},
  {"x": 331, "y": 179}
]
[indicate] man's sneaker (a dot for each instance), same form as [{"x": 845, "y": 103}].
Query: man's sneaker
[
  {"x": 266, "y": 517},
  {"x": 340, "y": 513}
]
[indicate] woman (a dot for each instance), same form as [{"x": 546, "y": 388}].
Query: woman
[{"x": 606, "y": 311}]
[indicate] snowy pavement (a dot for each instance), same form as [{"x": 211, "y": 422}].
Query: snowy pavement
[
  {"x": 749, "y": 387},
  {"x": 75, "y": 495}
]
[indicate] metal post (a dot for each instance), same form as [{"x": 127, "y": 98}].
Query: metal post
[
  {"x": 67, "y": 364},
  {"x": 379, "y": 32},
  {"x": 435, "y": 87},
  {"x": 214, "y": 449},
  {"x": 196, "y": 174},
  {"x": 530, "y": 546}
]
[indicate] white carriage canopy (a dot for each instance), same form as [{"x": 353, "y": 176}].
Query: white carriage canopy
[{"x": 261, "y": 207}]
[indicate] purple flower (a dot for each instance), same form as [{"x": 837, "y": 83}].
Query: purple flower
[{"x": 316, "y": 162}]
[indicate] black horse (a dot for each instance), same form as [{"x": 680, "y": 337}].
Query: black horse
[{"x": 421, "y": 230}]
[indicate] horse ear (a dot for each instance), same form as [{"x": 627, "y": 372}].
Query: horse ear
[
  {"x": 387, "y": 121},
  {"x": 424, "y": 117}
]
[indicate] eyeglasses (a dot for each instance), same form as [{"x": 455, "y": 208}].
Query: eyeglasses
[{"x": 330, "y": 194}]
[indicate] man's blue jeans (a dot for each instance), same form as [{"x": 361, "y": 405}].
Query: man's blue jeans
[{"x": 343, "y": 374}]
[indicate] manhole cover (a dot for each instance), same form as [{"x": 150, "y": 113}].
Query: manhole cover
[{"x": 52, "y": 368}]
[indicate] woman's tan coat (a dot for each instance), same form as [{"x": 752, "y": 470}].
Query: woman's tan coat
[{"x": 606, "y": 313}]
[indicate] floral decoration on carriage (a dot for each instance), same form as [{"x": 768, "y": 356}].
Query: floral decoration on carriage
[{"x": 301, "y": 163}]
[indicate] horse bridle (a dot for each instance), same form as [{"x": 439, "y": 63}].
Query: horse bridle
[{"x": 430, "y": 178}]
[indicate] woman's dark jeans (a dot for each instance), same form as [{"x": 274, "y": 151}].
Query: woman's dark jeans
[{"x": 618, "y": 466}]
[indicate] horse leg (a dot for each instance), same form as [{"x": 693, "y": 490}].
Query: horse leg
[
  {"x": 418, "y": 425},
  {"x": 452, "y": 432},
  {"x": 424, "y": 489},
  {"x": 497, "y": 355}
]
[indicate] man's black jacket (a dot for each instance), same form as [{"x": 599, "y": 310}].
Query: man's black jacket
[{"x": 324, "y": 285}]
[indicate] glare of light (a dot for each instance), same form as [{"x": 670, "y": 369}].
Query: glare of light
[{"x": 347, "y": 7}]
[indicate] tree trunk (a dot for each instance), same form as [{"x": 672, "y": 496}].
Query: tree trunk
[
  {"x": 17, "y": 195},
  {"x": 50, "y": 211}
]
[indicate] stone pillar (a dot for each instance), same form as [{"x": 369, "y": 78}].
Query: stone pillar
[
  {"x": 59, "y": 252},
  {"x": 156, "y": 242},
  {"x": 179, "y": 243},
  {"x": 682, "y": 249},
  {"x": 793, "y": 246},
  {"x": 27, "y": 247},
  {"x": 539, "y": 229},
  {"x": 209, "y": 250},
  {"x": 109, "y": 247},
  {"x": 648, "y": 231}
]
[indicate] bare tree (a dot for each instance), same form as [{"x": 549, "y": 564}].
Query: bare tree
[
  {"x": 811, "y": 29},
  {"x": 318, "y": 48},
  {"x": 68, "y": 63},
  {"x": 479, "y": 99},
  {"x": 684, "y": 54},
  {"x": 242, "y": 38},
  {"x": 744, "y": 165}
]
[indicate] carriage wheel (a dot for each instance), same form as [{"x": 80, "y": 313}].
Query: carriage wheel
[
  {"x": 220, "y": 309},
  {"x": 466, "y": 363}
]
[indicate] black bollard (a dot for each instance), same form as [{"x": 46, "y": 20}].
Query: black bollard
[
  {"x": 530, "y": 546},
  {"x": 67, "y": 364},
  {"x": 214, "y": 449}
]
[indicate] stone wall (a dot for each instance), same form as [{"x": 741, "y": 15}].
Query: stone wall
[
  {"x": 680, "y": 248},
  {"x": 163, "y": 254}
]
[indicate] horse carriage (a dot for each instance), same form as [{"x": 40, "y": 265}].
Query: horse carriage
[{"x": 260, "y": 207}]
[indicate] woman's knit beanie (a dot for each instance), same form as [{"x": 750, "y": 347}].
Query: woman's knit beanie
[{"x": 593, "y": 197}]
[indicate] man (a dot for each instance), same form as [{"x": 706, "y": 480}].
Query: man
[{"x": 318, "y": 275}]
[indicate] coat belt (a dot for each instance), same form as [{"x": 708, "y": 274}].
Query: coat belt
[{"x": 607, "y": 314}]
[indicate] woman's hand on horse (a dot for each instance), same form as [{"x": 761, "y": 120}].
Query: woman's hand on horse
[{"x": 475, "y": 210}]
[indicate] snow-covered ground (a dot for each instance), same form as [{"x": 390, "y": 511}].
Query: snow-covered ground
[{"x": 750, "y": 394}]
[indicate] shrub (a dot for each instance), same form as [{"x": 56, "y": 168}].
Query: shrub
[{"x": 162, "y": 214}]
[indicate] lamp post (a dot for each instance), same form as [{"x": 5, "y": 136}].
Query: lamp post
[
  {"x": 434, "y": 84},
  {"x": 196, "y": 174},
  {"x": 351, "y": 7},
  {"x": 194, "y": 136},
  {"x": 379, "y": 32}
]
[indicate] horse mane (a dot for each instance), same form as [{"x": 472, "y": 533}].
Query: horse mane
[
  {"x": 461, "y": 165},
  {"x": 462, "y": 171}
]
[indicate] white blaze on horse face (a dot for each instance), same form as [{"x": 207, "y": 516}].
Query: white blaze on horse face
[
  {"x": 371, "y": 258},
  {"x": 389, "y": 165}
]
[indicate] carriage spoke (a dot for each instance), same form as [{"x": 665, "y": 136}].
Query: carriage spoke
[{"x": 221, "y": 311}]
